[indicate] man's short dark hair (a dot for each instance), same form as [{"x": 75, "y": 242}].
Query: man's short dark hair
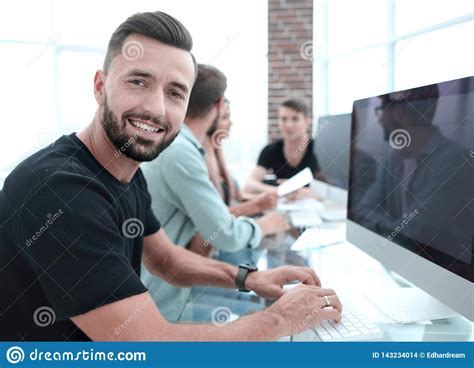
[
  {"x": 209, "y": 87},
  {"x": 420, "y": 102},
  {"x": 157, "y": 25},
  {"x": 297, "y": 105}
]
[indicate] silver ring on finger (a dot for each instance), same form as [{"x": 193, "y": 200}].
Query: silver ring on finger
[{"x": 328, "y": 302}]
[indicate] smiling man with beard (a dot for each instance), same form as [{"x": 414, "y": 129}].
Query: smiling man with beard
[
  {"x": 136, "y": 147},
  {"x": 76, "y": 222}
]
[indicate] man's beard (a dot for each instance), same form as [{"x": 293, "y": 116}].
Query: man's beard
[
  {"x": 133, "y": 146},
  {"x": 213, "y": 128}
]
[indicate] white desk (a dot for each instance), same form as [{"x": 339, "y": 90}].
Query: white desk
[{"x": 350, "y": 272}]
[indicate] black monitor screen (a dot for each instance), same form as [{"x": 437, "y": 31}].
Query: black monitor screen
[
  {"x": 412, "y": 171},
  {"x": 331, "y": 147}
]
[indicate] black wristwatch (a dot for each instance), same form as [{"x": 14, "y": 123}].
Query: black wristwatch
[{"x": 244, "y": 270}]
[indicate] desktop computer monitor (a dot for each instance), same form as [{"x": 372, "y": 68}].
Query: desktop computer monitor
[
  {"x": 331, "y": 147},
  {"x": 416, "y": 216}
]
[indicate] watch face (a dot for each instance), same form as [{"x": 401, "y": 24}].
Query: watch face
[{"x": 249, "y": 267}]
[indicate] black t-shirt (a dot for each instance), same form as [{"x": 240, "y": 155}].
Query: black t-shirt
[
  {"x": 272, "y": 157},
  {"x": 71, "y": 240}
]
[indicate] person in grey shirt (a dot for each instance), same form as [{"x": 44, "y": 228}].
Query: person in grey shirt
[
  {"x": 184, "y": 198},
  {"x": 424, "y": 179}
]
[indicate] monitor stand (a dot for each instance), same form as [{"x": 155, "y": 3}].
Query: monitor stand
[{"x": 406, "y": 305}]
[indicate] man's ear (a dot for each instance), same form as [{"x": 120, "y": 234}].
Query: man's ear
[{"x": 99, "y": 87}]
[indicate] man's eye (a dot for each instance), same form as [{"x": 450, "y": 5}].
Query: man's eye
[
  {"x": 177, "y": 95},
  {"x": 138, "y": 82}
]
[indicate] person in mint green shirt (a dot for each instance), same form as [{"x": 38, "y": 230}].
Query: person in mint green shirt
[{"x": 185, "y": 200}]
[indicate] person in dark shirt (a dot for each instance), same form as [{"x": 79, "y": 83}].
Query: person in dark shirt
[
  {"x": 286, "y": 157},
  {"x": 76, "y": 223}
]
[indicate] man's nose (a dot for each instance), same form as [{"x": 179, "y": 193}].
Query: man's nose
[{"x": 155, "y": 103}]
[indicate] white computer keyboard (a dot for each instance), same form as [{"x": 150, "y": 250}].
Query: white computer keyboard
[
  {"x": 355, "y": 325},
  {"x": 305, "y": 219}
]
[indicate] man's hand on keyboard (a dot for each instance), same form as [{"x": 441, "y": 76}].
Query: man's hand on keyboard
[
  {"x": 304, "y": 306},
  {"x": 269, "y": 284}
]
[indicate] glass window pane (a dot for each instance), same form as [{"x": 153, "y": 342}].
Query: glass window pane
[
  {"x": 27, "y": 97},
  {"x": 356, "y": 76},
  {"x": 434, "y": 57},
  {"x": 91, "y": 23},
  {"x": 26, "y": 20},
  {"x": 88, "y": 22},
  {"x": 355, "y": 24},
  {"x": 76, "y": 104},
  {"x": 413, "y": 15}
]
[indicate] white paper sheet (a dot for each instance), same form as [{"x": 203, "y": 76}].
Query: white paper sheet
[{"x": 296, "y": 182}]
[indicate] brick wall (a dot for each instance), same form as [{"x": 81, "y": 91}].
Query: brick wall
[{"x": 290, "y": 52}]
